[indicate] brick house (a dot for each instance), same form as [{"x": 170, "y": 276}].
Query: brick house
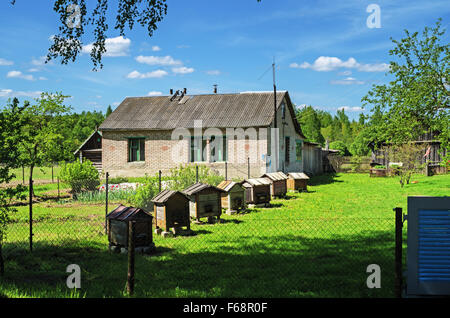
[{"x": 147, "y": 134}]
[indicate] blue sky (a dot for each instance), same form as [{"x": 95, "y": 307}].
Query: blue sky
[{"x": 326, "y": 55}]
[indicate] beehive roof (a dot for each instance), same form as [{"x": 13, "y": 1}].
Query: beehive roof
[
  {"x": 227, "y": 185},
  {"x": 256, "y": 182},
  {"x": 275, "y": 176},
  {"x": 298, "y": 176},
  {"x": 124, "y": 213},
  {"x": 195, "y": 188},
  {"x": 165, "y": 195}
]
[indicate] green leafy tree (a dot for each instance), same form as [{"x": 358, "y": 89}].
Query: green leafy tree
[
  {"x": 339, "y": 145},
  {"x": 10, "y": 121},
  {"x": 417, "y": 99},
  {"x": 80, "y": 176},
  {"x": 310, "y": 123},
  {"x": 108, "y": 111},
  {"x": 41, "y": 138}
]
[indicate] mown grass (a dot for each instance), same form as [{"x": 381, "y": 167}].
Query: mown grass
[{"x": 314, "y": 244}]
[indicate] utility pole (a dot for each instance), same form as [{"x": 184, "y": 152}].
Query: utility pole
[{"x": 276, "y": 137}]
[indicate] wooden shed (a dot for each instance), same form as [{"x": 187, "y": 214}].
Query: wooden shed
[
  {"x": 257, "y": 191},
  {"x": 204, "y": 201},
  {"x": 297, "y": 181},
  {"x": 117, "y": 226},
  {"x": 278, "y": 184},
  {"x": 233, "y": 199},
  {"x": 171, "y": 209},
  {"x": 91, "y": 149}
]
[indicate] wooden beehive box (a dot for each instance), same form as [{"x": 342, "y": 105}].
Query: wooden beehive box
[
  {"x": 117, "y": 226},
  {"x": 278, "y": 184},
  {"x": 171, "y": 210},
  {"x": 297, "y": 181},
  {"x": 204, "y": 201},
  {"x": 257, "y": 191},
  {"x": 233, "y": 199}
]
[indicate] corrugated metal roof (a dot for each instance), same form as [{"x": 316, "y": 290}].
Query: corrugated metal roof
[
  {"x": 298, "y": 175},
  {"x": 165, "y": 195},
  {"x": 256, "y": 182},
  {"x": 227, "y": 185},
  {"x": 124, "y": 213},
  {"x": 275, "y": 176},
  {"x": 216, "y": 110},
  {"x": 199, "y": 187}
]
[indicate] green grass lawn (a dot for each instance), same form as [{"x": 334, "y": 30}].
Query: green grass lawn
[{"x": 315, "y": 244}]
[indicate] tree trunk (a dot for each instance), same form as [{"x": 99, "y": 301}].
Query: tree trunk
[{"x": 2, "y": 264}]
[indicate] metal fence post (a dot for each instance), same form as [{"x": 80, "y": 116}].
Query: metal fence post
[
  {"x": 130, "y": 276},
  {"x": 398, "y": 252},
  {"x": 226, "y": 170},
  {"x": 196, "y": 174},
  {"x": 31, "y": 212},
  {"x": 159, "y": 181},
  {"x": 57, "y": 181},
  {"x": 106, "y": 200},
  {"x": 248, "y": 164}
]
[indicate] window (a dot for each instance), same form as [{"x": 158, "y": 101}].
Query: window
[
  {"x": 136, "y": 149},
  {"x": 218, "y": 147},
  {"x": 287, "y": 146},
  {"x": 197, "y": 149},
  {"x": 298, "y": 150}
]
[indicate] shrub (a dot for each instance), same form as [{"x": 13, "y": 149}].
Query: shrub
[
  {"x": 339, "y": 145},
  {"x": 117, "y": 180},
  {"x": 80, "y": 176},
  {"x": 380, "y": 167},
  {"x": 145, "y": 193},
  {"x": 184, "y": 176}
]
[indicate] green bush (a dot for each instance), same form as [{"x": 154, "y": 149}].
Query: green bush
[
  {"x": 145, "y": 193},
  {"x": 185, "y": 176},
  {"x": 380, "y": 167},
  {"x": 117, "y": 180},
  {"x": 80, "y": 176},
  {"x": 339, "y": 145}
]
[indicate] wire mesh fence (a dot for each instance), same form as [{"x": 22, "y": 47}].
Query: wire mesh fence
[{"x": 244, "y": 255}]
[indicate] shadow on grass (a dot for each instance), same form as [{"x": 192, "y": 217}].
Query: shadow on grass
[
  {"x": 255, "y": 266},
  {"x": 323, "y": 179}
]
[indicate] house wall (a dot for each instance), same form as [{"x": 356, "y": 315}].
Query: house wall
[
  {"x": 312, "y": 156},
  {"x": 163, "y": 153},
  {"x": 286, "y": 128}
]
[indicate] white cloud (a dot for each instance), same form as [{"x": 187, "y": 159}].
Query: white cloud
[
  {"x": 42, "y": 78},
  {"x": 351, "y": 109},
  {"x": 154, "y": 93},
  {"x": 345, "y": 73},
  {"x": 213, "y": 72},
  {"x": 19, "y": 74},
  {"x": 328, "y": 63},
  {"x": 158, "y": 60},
  {"x": 33, "y": 70},
  {"x": 153, "y": 74},
  {"x": 182, "y": 70},
  {"x": 156, "y": 48},
  {"x": 4, "y": 62},
  {"x": 5, "y": 92},
  {"x": 348, "y": 81},
  {"x": 183, "y": 46},
  {"x": 118, "y": 46},
  {"x": 39, "y": 61}
]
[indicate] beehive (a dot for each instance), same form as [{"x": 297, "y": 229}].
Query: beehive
[
  {"x": 278, "y": 184},
  {"x": 204, "y": 201},
  {"x": 297, "y": 181},
  {"x": 117, "y": 226},
  {"x": 171, "y": 209},
  {"x": 233, "y": 199},
  {"x": 257, "y": 191}
]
